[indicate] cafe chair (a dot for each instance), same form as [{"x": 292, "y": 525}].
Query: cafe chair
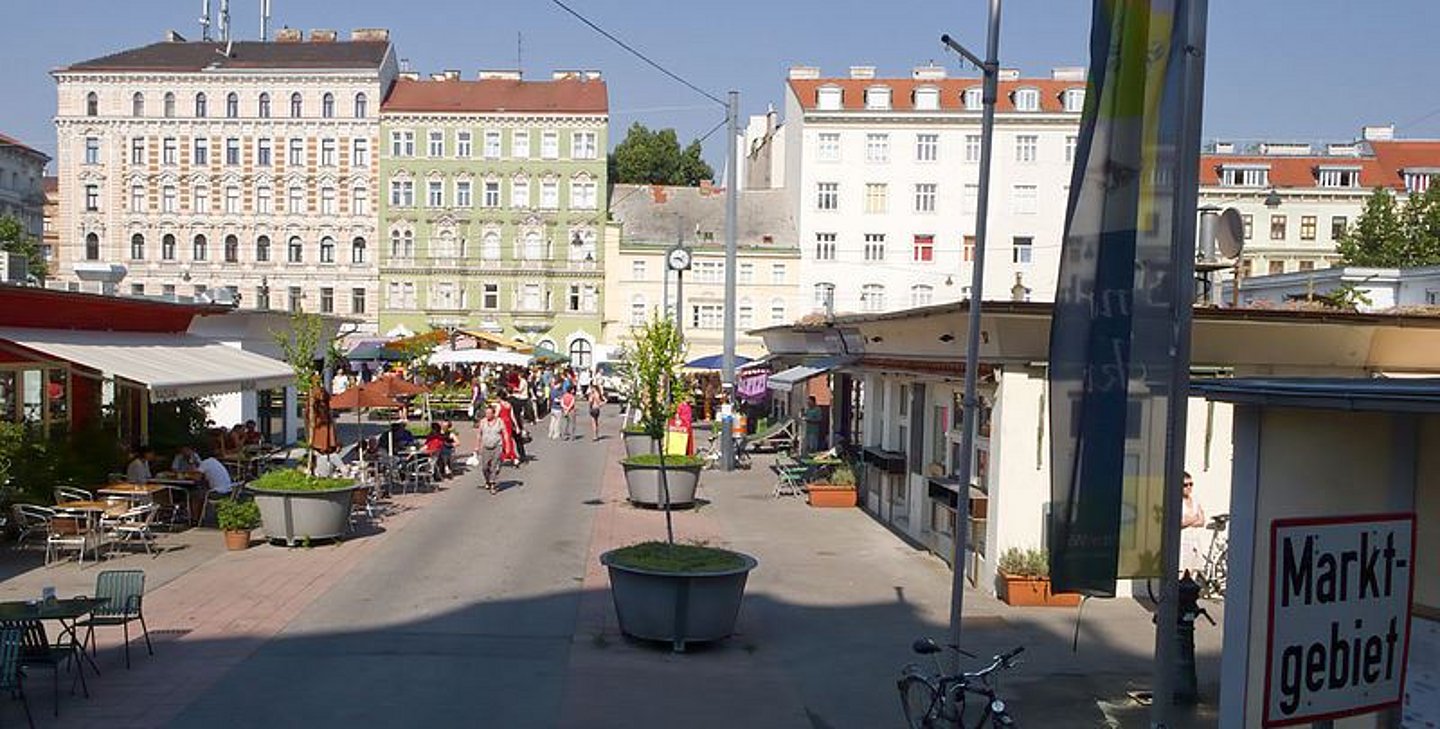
[
  {"x": 67, "y": 531},
  {"x": 37, "y": 650},
  {"x": 71, "y": 493},
  {"x": 134, "y": 524},
  {"x": 30, "y": 519},
  {"x": 126, "y": 592},
  {"x": 11, "y": 679}
]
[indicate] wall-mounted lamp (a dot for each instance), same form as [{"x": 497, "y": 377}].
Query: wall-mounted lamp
[
  {"x": 949, "y": 281},
  {"x": 947, "y": 338},
  {"x": 876, "y": 340}
]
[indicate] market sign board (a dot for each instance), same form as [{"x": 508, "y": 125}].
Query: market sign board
[{"x": 1340, "y": 595}]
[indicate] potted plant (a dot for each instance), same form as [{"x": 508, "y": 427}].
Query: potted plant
[
  {"x": 837, "y": 490},
  {"x": 652, "y": 477},
  {"x": 295, "y": 506},
  {"x": 1025, "y": 580},
  {"x": 677, "y": 593},
  {"x": 236, "y": 519}
]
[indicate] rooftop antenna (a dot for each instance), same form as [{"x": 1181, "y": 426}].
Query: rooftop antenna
[
  {"x": 225, "y": 20},
  {"x": 520, "y": 53},
  {"x": 264, "y": 20},
  {"x": 204, "y": 20}
]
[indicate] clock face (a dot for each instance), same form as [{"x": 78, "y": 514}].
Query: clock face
[{"x": 679, "y": 259}]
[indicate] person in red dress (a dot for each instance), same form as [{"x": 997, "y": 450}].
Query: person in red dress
[{"x": 508, "y": 450}]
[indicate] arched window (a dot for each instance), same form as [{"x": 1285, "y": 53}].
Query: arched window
[
  {"x": 534, "y": 246},
  {"x": 357, "y": 250},
  {"x": 490, "y": 246},
  {"x": 296, "y": 105},
  {"x": 232, "y": 249},
  {"x": 408, "y": 249},
  {"x": 201, "y": 248},
  {"x": 232, "y": 105},
  {"x": 327, "y": 250},
  {"x": 137, "y": 247},
  {"x": 167, "y": 247},
  {"x": 264, "y": 110},
  {"x": 922, "y": 295},
  {"x": 362, "y": 105},
  {"x": 327, "y": 105},
  {"x": 296, "y": 251},
  {"x": 872, "y": 297},
  {"x": 169, "y": 105},
  {"x": 92, "y": 104},
  {"x": 200, "y": 109},
  {"x": 395, "y": 244},
  {"x": 262, "y": 249},
  {"x": 92, "y": 247},
  {"x": 137, "y": 104},
  {"x": 824, "y": 295},
  {"x": 581, "y": 354}
]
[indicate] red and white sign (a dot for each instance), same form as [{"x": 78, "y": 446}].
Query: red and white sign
[{"x": 1340, "y": 594}]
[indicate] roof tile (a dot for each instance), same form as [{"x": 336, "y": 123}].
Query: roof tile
[
  {"x": 569, "y": 95},
  {"x": 952, "y": 90}
]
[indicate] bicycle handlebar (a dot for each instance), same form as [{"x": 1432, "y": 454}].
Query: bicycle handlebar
[{"x": 1007, "y": 657}]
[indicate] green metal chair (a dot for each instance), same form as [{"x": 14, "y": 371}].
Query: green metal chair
[
  {"x": 126, "y": 590},
  {"x": 37, "y": 650},
  {"x": 11, "y": 679}
]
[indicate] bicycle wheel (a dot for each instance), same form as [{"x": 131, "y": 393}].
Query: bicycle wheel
[{"x": 920, "y": 701}]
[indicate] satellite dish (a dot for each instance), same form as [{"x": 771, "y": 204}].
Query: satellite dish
[{"x": 1230, "y": 233}]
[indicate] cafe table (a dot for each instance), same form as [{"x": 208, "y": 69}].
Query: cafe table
[
  {"x": 135, "y": 492},
  {"x": 67, "y": 612}
]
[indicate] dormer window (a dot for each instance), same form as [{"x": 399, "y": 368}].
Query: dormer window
[
  {"x": 877, "y": 97},
  {"x": 973, "y": 98},
  {"x": 1027, "y": 100},
  {"x": 1073, "y": 100},
  {"x": 1419, "y": 179},
  {"x": 1244, "y": 176},
  {"x": 927, "y": 99},
  {"x": 1339, "y": 177},
  {"x": 829, "y": 99}
]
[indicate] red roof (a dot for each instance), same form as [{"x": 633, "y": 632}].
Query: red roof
[
  {"x": 194, "y": 56},
  {"x": 31, "y": 306},
  {"x": 952, "y": 90},
  {"x": 568, "y": 96},
  {"x": 9, "y": 141},
  {"x": 1384, "y": 168}
]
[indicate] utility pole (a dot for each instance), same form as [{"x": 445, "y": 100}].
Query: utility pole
[{"x": 732, "y": 199}]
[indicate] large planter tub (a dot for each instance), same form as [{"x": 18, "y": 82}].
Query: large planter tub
[
  {"x": 638, "y": 444},
  {"x": 675, "y": 608},
  {"x": 643, "y": 483},
  {"x": 294, "y": 516}
]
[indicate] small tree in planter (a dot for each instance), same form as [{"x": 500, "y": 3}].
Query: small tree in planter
[
  {"x": 837, "y": 490},
  {"x": 1025, "y": 577},
  {"x": 301, "y": 345},
  {"x": 662, "y": 590},
  {"x": 237, "y": 519}
]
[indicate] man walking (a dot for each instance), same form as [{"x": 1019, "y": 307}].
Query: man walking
[
  {"x": 556, "y": 393},
  {"x": 567, "y": 410},
  {"x": 489, "y": 436}
]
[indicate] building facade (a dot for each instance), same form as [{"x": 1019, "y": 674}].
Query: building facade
[
  {"x": 493, "y": 206},
  {"x": 236, "y": 170},
  {"x": 22, "y": 173},
  {"x": 50, "y": 238},
  {"x": 883, "y": 176},
  {"x": 654, "y": 218}
]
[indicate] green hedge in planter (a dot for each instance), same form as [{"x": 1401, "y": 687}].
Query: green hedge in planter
[
  {"x": 677, "y": 558},
  {"x": 1018, "y": 562},
  {"x": 296, "y": 480},
  {"x": 653, "y": 460}
]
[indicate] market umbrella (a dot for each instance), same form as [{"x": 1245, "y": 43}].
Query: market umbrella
[
  {"x": 714, "y": 362},
  {"x": 360, "y": 398},
  {"x": 545, "y": 355},
  {"x": 370, "y": 351}
]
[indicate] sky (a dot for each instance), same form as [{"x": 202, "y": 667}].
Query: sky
[{"x": 1293, "y": 70}]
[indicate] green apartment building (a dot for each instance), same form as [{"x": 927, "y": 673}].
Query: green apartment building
[{"x": 492, "y": 209}]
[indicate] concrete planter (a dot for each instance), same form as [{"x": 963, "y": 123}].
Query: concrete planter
[
  {"x": 1034, "y": 592},
  {"x": 643, "y": 483},
  {"x": 293, "y": 516},
  {"x": 638, "y": 444},
  {"x": 677, "y": 608},
  {"x": 827, "y": 495}
]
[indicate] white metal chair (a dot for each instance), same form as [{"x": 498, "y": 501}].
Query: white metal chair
[
  {"x": 67, "y": 531},
  {"x": 72, "y": 493},
  {"x": 30, "y": 519},
  {"x": 134, "y": 524}
]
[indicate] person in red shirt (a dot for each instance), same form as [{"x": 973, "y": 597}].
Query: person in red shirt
[{"x": 435, "y": 447}]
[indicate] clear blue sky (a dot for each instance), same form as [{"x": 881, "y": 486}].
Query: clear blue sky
[{"x": 1280, "y": 69}]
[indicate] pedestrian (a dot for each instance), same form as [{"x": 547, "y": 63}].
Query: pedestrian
[
  {"x": 514, "y": 447},
  {"x": 586, "y": 377},
  {"x": 597, "y": 401},
  {"x": 813, "y": 418},
  {"x": 489, "y": 439},
  {"x": 1192, "y": 530},
  {"x": 567, "y": 410},
  {"x": 435, "y": 443},
  {"x": 477, "y": 397},
  {"x": 521, "y": 395},
  {"x": 556, "y": 416}
]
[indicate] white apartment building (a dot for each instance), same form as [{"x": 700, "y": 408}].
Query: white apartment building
[
  {"x": 187, "y": 168},
  {"x": 22, "y": 170},
  {"x": 883, "y": 175},
  {"x": 1318, "y": 192}
]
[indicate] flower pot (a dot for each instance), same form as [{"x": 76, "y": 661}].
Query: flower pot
[
  {"x": 643, "y": 484},
  {"x": 637, "y": 444},
  {"x": 1021, "y": 591},
  {"x": 827, "y": 495},
  {"x": 677, "y": 608},
  {"x": 237, "y": 539},
  {"x": 294, "y": 516}
]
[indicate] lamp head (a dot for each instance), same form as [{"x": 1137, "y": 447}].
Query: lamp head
[{"x": 1272, "y": 199}]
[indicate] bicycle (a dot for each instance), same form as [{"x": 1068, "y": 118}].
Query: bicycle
[
  {"x": 710, "y": 454},
  {"x": 932, "y": 700},
  {"x": 1214, "y": 563}
]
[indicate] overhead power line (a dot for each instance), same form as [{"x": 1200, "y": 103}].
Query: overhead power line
[{"x": 633, "y": 51}]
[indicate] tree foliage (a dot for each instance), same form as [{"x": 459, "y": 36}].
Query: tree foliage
[
  {"x": 655, "y": 158},
  {"x": 15, "y": 239},
  {"x": 1391, "y": 235}
]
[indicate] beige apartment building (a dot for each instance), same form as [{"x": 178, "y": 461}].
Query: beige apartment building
[{"x": 226, "y": 170}]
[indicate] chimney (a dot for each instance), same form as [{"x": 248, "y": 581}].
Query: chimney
[
  {"x": 862, "y": 72},
  {"x": 567, "y": 75},
  {"x": 804, "y": 72},
  {"x": 1068, "y": 73},
  {"x": 657, "y": 192},
  {"x": 929, "y": 72},
  {"x": 498, "y": 74},
  {"x": 370, "y": 34},
  {"x": 173, "y": 37},
  {"x": 446, "y": 75},
  {"x": 289, "y": 35},
  {"x": 410, "y": 75},
  {"x": 1224, "y": 148},
  {"x": 322, "y": 36},
  {"x": 1009, "y": 74},
  {"x": 1378, "y": 132}
]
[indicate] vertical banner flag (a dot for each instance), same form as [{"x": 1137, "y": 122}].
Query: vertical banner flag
[{"x": 1112, "y": 331}]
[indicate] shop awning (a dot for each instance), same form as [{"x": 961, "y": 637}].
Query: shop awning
[
  {"x": 171, "y": 366},
  {"x": 785, "y": 380},
  {"x": 498, "y": 340},
  {"x": 478, "y": 356}
]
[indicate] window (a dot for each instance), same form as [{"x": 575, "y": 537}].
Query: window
[
  {"x": 967, "y": 248},
  {"x": 745, "y": 274},
  {"x": 876, "y": 197},
  {"x": 924, "y": 249},
  {"x": 263, "y": 151},
  {"x": 232, "y": 200},
  {"x": 973, "y": 98},
  {"x": 200, "y": 154},
  {"x": 167, "y": 247},
  {"x": 1025, "y": 147},
  {"x": 520, "y": 192},
  {"x": 232, "y": 151},
  {"x": 927, "y": 147},
  {"x": 263, "y": 106},
  {"x": 1073, "y": 100},
  {"x": 925, "y": 197},
  {"x": 262, "y": 249},
  {"x": 327, "y": 105},
  {"x": 534, "y": 248},
  {"x": 872, "y": 297},
  {"x": 874, "y": 246},
  {"x": 402, "y": 143},
  {"x": 297, "y": 105},
  {"x": 972, "y": 147},
  {"x": 824, "y": 295},
  {"x": 520, "y": 144},
  {"x": 360, "y": 201},
  {"x": 1339, "y": 177},
  {"x": 824, "y": 246},
  {"x": 295, "y": 296},
  {"x": 637, "y": 269},
  {"x": 137, "y": 198},
  {"x": 1307, "y": 265},
  {"x": 777, "y": 310},
  {"x": 327, "y": 250},
  {"x": 580, "y": 353},
  {"x": 137, "y": 151},
  {"x": 1070, "y": 142},
  {"x": 1337, "y": 227},
  {"x": 1275, "y": 267},
  {"x": 1025, "y": 199},
  {"x": 583, "y": 145},
  {"x": 572, "y": 298},
  {"x": 582, "y": 244},
  {"x": 745, "y": 315},
  {"x": 1027, "y": 100},
  {"x": 638, "y": 310},
  {"x": 1022, "y": 249},
  {"x": 1249, "y": 223},
  {"x": 137, "y": 247},
  {"x": 232, "y": 249},
  {"x": 168, "y": 149},
  {"x": 1277, "y": 227},
  {"x": 327, "y": 153},
  {"x": 927, "y": 99},
  {"x": 549, "y": 144},
  {"x": 877, "y": 98},
  {"x": 828, "y": 146},
  {"x": 582, "y": 194},
  {"x": 709, "y": 271},
  {"x": 92, "y": 197},
  {"x": 707, "y": 315},
  {"x": 827, "y": 196},
  {"x": 92, "y": 247},
  {"x": 264, "y": 200},
  {"x": 357, "y": 250},
  {"x": 492, "y": 145},
  {"x": 295, "y": 251},
  {"x": 463, "y": 194},
  {"x": 490, "y": 195},
  {"x": 529, "y": 299},
  {"x": 1234, "y": 176},
  {"x": 168, "y": 199},
  {"x": 549, "y": 194},
  {"x": 1307, "y": 227},
  {"x": 297, "y": 152},
  {"x": 232, "y": 105},
  {"x": 436, "y": 146},
  {"x": 402, "y": 193},
  {"x": 200, "y": 109},
  {"x": 360, "y": 152},
  {"x": 829, "y": 99},
  {"x": 327, "y": 201},
  {"x": 777, "y": 274},
  {"x": 490, "y": 296},
  {"x": 922, "y": 295},
  {"x": 490, "y": 246},
  {"x": 1418, "y": 182},
  {"x": 402, "y": 245},
  {"x": 137, "y": 289},
  {"x": 877, "y": 148},
  {"x": 434, "y": 193},
  {"x": 295, "y": 200},
  {"x": 92, "y": 150},
  {"x": 199, "y": 248},
  {"x": 169, "y": 105}
]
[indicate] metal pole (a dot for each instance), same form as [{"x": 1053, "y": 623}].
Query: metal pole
[
  {"x": 732, "y": 198},
  {"x": 1182, "y": 266},
  {"x": 991, "y": 68},
  {"x": 680, "y": 303}
]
